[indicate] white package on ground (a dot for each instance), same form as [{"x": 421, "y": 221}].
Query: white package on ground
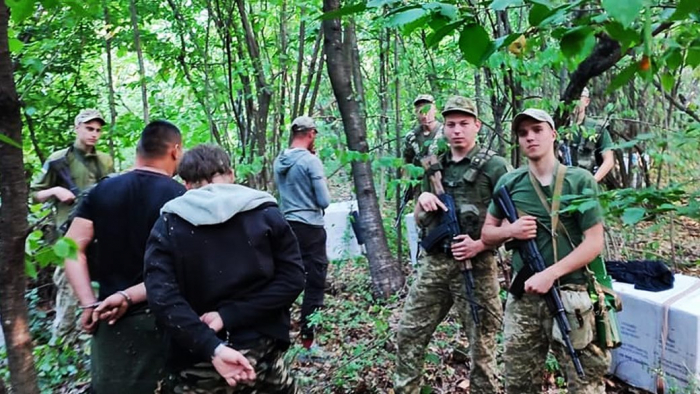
[
  {"x": 341, "y": 241},
  {"x": 641, "y": 321},
  {"x": 412, "y": 236}
]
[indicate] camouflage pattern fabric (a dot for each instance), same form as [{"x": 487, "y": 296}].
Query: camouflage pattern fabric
[
  {"x": 528, "y": 337},
  {"x": 438, "y": 287},
  {"x": 418, "y": 145},
  {"x": 273, "y": 376}
]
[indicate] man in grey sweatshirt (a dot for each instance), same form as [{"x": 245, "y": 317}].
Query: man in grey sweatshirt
[{"x": 303, "y": 197}]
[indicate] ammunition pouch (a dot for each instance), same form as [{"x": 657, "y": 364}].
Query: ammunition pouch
[{"x": 580, "y": 314}]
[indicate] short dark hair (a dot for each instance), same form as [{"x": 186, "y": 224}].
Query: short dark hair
[
  {"x": 203, "y": 162},
  {"x": 156, "y": 139}
]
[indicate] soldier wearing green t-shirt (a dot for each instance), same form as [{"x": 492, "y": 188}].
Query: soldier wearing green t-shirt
[
  {"x": 528, "y": 332},
  {"x": 469, "y": 174},
  {"x": 591, "y": 147},
  {"x": 65, "y": 174}
]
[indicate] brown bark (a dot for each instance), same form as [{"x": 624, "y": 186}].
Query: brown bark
[
  {"x": 139, "y": 53},
  {"x": 397, "y": 136},
  {"x": 386, "y": 273},
  {"x": 312, "y": 71},
  {"x": 296, "y": 110},
  {"x": 13, "y": 227}
]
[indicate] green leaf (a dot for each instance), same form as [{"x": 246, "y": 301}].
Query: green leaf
[
  {"x": 449, "y": 11},
  {"x": 475, "y": 44},
  {"x": 9, "y": 141},
  {"x": 545, "y": 3},
  {"x": 380, "y": 3},
  {"x": 574, "y": 41},
  {"x": 587, "y": 205},
  {"x": 435, "y": 37},
  {"x": 20, "y": 9},
  {"x": 347, "y": 10},
  {"x": 504, "y": 41},
  {"x": 500, "y": 5},
  {"x": 15, "y": 45},
  {"x": 674, "y": 58},
  {"x": 685, "y": 8},
  {"x": 405, "y": 17},
  {"x": 692, "y": 58},
  {"x": 537, "y": 14},
  {"x": 633, "y": 215},
  {"x": 626, "y": 37},
  {"x": 65, "y": 248},
  {"x": 622, "y": 78},
  {"x": 667, "y": 81},
  {"x": 623, "y": 11},
  {"x": 30, "y": 269}
]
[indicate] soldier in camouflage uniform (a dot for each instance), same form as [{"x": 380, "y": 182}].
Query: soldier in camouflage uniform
[
  {"x": 529, "y": 331},
  {"x": 424, "y": 139},
  {"x": 469, "y": 174},
  {"x": 222, "y": 269},
  {"x": 64, "y": 175},
  {"x": 591, "y": 147}
]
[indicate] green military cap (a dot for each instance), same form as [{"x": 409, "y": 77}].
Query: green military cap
[
  {"x": 532, "y": 113},
  {"x": 88, "y": 115},
  {"x": 303, "y": 123},
  {"x": 424, "y": 98},
  {"x": 460, "y": 104}
]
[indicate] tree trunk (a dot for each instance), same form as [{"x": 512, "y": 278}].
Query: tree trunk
[
  {"x": 386, "y": 273},
  {"x": 13, "y": 227},
  {"x": 139, "y": 54},
  {"x": 296, "y": 110},
  {"x": 397, "y": 146},
  {"x": 110, "y": 81}
]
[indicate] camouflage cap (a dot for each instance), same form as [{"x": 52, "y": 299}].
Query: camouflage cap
[
  {"x": 460, "y": 104},
  {"x": 303, "y": 123},
  {"x": 88, "y": 115},
  {"x": 424, "y": 98},
  {"x": 585, "y": 93},
  {"x": 532, "y": 113}
]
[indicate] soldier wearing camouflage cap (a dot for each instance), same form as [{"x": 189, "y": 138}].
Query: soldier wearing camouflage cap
[
  {"x": 64, "y": 175},
  {"x": 424, "y": 138},
  {"x": 469, "y": 173}
]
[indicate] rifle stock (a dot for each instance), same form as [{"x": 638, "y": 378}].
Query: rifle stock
[
  {"x": 407, "y": 196},
  {"x": 533, "y": 259}
]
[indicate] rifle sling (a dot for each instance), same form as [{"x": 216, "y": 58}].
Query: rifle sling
[{"x": 554, "y": 209}]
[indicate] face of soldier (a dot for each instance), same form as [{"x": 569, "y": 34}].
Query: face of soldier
[
  {"x": 461, "y": 130},
  {"x": 536, "y": 138},
  {"x": 426, "y": 113},
  {"x": 88, "y": 133}
]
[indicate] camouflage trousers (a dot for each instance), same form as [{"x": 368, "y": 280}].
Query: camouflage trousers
[
  {"x": 273, "y": 376},
  {"x": 438, "y": 287},
  {"x": 65, "y": 322},
  {"x": 528, "y": 338}
]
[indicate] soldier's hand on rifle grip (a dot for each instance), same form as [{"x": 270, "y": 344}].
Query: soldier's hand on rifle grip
[
  {"x": 524, "y": 228},
  {"x": 430, "y": 202},
  {"x": 464, "y": 247},
  {"x": 64, "y": 195},
  {"x": 540, "y": 283}
]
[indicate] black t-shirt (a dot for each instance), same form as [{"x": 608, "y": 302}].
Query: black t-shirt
[{"x": 123, "y": 210}]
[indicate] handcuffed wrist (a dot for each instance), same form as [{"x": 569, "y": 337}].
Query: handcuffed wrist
[{"x": 129, "y": 301}]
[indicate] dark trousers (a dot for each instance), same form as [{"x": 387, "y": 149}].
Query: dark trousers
[
  {"x": 312, "y": 243},
  {"x": 129, "y": 356}
]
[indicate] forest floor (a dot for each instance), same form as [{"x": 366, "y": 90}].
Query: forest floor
[{"x": 357, "y": 334}]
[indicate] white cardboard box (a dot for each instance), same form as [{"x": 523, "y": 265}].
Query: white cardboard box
[
  {"x": 412, "y": 236},
  {"x": 641, "y": 321},
  {"x": 341, "y": 241}
]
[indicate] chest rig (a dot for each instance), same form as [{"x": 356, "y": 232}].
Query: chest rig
[{"x": 471, "y": 196}]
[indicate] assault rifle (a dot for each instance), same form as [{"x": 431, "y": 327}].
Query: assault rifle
[
  {"x": 444, "y": 234},
  {"x": 407, "y": 196},
  {"x": 534, "y": 263},
  {"x": 62, "y": 169}
]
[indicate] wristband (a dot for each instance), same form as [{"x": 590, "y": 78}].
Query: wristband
[{"x": 124, "y": 294}]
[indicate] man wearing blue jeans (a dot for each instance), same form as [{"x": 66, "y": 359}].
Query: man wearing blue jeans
[{"x": 303, "y": 197}]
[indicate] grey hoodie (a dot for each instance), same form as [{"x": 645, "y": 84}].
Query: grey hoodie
[
  {"x": 302, "y": 185},
  {"x": 215, "y": 203}
]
